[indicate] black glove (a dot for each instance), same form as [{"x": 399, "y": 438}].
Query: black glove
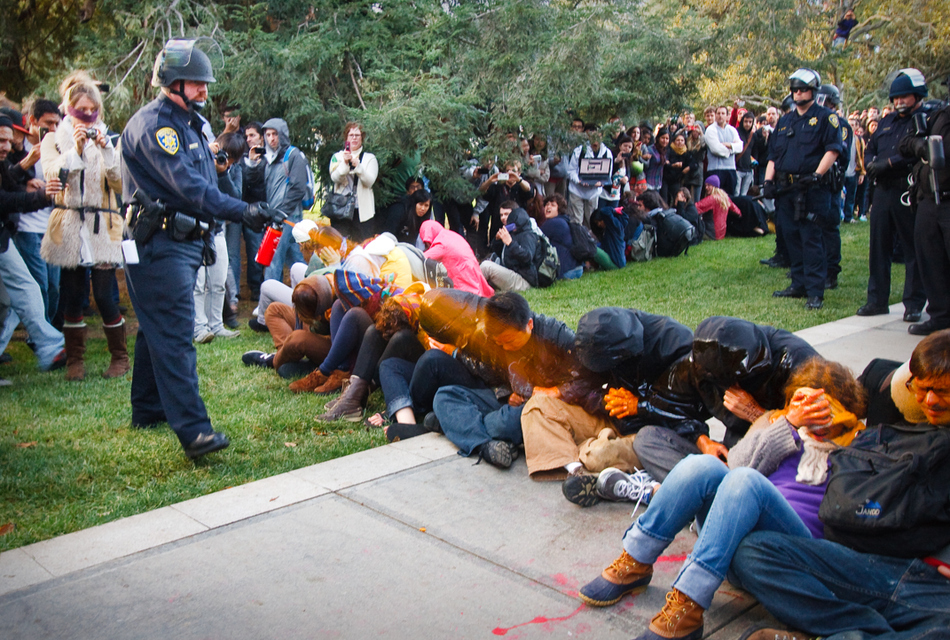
[
  {"x": 877, "y": 167},
  {"x": 256, "y": 216},
  {"x": 810, "y": 178},
  {"x": 276, "y": 216},
  {"x": 769, "y": 190}
]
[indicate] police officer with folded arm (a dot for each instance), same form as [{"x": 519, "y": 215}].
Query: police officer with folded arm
[
  {"x": 932, "y": 230},
  {"x": 169, "y": 177},
  {"x": 802, "y": 150}
]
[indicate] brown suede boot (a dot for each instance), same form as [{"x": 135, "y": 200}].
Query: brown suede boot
[
  {"x": 115, "y": 338},
  {"x": 680, "y": 618},
  {"x": 75, "y": 350},
  {"x": 350, "y": 404},
  {"x": 334, "y": 382},
  {"x": 313, "y": 380}
]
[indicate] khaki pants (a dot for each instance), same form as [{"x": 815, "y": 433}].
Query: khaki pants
[
  {"x": 293, "y": 344},
  {"x": 502, "y": 278},
  {"x": 552, "y": 430}
]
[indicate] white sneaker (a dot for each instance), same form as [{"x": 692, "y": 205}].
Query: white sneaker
[
  {"x": 226, "y": 333},
  {"x": 614, "y": 484},
  {"x": 204, "y": 337}
]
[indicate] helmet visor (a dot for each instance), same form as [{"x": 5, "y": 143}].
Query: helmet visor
[{"x": 178, "y": 52}]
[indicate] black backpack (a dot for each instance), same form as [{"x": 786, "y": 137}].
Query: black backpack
[
  {"x": 888, "y": 492},
  {"x": 673, "y": 233},
  {"x": 583, "y": 244}
]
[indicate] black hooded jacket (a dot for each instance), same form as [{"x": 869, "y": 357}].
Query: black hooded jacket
[
  {"x": 631, "y": 349},
  {"x": 729, "y": 351},
  {"x": 519, "y": 256}
]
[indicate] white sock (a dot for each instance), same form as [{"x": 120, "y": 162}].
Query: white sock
[{"x": 570, "y": 466}]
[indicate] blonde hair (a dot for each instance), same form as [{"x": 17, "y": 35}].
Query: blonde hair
[{"x": 76, "y": 84}]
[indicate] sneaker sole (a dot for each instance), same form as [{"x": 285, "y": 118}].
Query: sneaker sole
[{"x": 581, "y": 490}]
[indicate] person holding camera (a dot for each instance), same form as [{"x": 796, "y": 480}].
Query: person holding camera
[
  {"x": 165, "y": 158},
  {"x": 84, "y": 231},
  {"x": 228, "y": 150}
]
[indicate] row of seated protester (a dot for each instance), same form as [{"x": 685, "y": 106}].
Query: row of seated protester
[{"x": 618, "y": 409}]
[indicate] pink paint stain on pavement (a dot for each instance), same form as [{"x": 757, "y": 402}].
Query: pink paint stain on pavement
[
  {"x": 502, "y": 631},
  {"x": 671, "y": 558}
]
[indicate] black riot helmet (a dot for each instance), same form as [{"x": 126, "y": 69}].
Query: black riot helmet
[
  {"x": 178, "y": 61},
  {"x": 788, "y": 103},
  {"x": 828, "y": 96}
]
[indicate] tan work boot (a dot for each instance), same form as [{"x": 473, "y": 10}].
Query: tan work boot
[
  {"x": 680, "y": 618},
  {"x": 115, "y": 338},
  {"x": 313, "y": 380},
  {"x": 75, "y": 336},
  {"x": 625, "y": 575}
]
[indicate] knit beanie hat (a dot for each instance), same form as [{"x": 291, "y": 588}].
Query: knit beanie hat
[{"x": 713, "y": 180}]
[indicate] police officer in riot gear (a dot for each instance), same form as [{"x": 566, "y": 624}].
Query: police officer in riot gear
[
  {"x": 932, "y": 230},
  {"x": 168, "y": 172},
  {"x": 830, "y": 98},
  {"x": 802, "y": 149},
  {"x": 889, "y": 169}
]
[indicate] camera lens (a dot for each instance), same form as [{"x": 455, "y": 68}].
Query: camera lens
[
  {"x": 92, "y": 133},
  {"x": 221, "y": 157}
]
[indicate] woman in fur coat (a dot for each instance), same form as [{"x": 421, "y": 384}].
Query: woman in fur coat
[{"x": 85, "y": 229}]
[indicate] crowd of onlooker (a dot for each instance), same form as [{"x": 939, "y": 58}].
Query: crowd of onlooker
[{"x": 419, "y": 299}]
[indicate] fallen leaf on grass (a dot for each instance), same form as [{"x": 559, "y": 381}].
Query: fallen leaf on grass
[
  {"x": 25, "y": 445},
  {"x": 6, "y": 528},
  {"x": 290, "y": 444}
]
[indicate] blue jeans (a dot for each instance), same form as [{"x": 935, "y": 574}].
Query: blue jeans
[
  {"x": 472, "y": 417},
  {"x": 165, "y": 373},
  {"x": 850, "y": 191},
  {"x": 233, "y": 232},
  {"x": 828, "y": 589},
  {"x": 729, "y": 504},
  {"x": 574, "y": 273},
  {"x": 45, "y": 274},
  {"x": 287, "y": 250},
  {"x": 394, "y": 377},
  {"x": 26, "y": 305}
]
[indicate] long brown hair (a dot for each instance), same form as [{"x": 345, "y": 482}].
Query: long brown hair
[{"x": 835, "y": 378}]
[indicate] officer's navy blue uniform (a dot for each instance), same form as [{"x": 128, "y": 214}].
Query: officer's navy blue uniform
[
  {"x": 165, "y": 155},
  {"x": 932, "y": 232},
  {"x": 890, "y": 217},
  {"x": 796, "y": 148}
]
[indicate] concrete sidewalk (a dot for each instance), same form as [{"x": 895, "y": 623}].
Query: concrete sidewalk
[{"x": 406, "y": 540}]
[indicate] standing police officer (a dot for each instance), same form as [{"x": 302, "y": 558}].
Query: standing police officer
[
  {"x": 932, "y": 231},
  {"x": 802, "y": 150},
  {"x": 889, "y": 169},
  {"x": 830, "y": 98},
  {"x": 165, "y": 158}
]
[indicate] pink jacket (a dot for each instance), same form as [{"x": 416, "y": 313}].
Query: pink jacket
[
  {"x": 453, "y": 251},
  {"x": 719, "y": 214}
]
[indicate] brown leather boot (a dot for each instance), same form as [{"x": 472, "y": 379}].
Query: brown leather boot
[
  {"x": 115, "y": 338},
  {"x": 75, "y": 350},
  {"x": 313, "y": 380},
  {"x": 333, "y": 383},
  {"x": 350, "y": 404},
  {"x": 625, "y": 575},
  {"x": 680, "y": 618}
]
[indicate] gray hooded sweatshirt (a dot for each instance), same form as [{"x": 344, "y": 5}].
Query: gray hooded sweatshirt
[{"x": 288, "y": 198}]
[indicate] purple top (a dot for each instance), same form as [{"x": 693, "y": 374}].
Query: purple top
[{"x": 804, "y": 498}]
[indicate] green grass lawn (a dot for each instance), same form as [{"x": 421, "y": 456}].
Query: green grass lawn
[{"x": 70, "y": 460}]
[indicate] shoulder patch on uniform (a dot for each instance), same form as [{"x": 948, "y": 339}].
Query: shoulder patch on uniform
[
  {"x": 168, "y": 140},
  {"x": 813, "y": 121},
  {"x": 844, "y": 134},
  {"x": 833, "y": 119}
]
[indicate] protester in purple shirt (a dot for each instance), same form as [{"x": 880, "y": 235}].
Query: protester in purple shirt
[{"x": 775, "y": 481}]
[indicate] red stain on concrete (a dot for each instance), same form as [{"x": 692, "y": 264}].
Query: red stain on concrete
[
  {"x": 671, "y": 558},
  {"x": 501, "y": 631}
]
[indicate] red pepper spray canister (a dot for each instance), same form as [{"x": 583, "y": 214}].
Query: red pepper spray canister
[{"x": 269, "y": 243}]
